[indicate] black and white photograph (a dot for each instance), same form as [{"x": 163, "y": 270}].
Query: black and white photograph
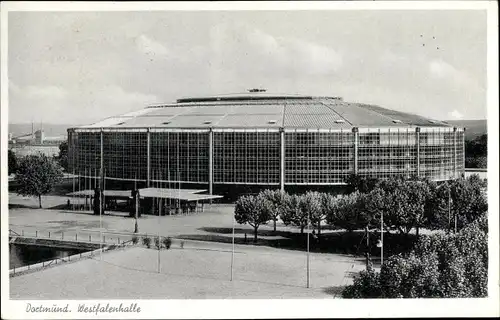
[{"x": 201, "y": 160}]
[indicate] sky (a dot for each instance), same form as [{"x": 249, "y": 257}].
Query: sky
[{"x": 79, "y": 67}]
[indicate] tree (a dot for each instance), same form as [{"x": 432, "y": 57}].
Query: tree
[
  {"x": 63, "y": 155},
  {"x": 361, "y": 183},
  {"x": 37, "y": 175},
  {"x": 276, "y": 200},
  {"x": 443, "y": 266},
  {"x": 253, "y": 210},
  {"x": 462, "y": 199},
  {"x": 12, "y": 162},
  {"x": 476, "y": 152},
  {"x": 349, "y": 214},
  {"x": 293, "y": 212},
  {"x": 311, "y": 206},
  {"x": 327, "y": 208},
  {"x": 403, "y": 203}
]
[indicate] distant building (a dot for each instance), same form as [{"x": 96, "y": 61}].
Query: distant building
[{"x": 34, "y": 143}]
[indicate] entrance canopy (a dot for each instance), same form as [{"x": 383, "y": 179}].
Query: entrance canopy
[
  {"x": 123, "y": 194},
  {"x": 164, "y": 193},
  {"x": 176, "y": 194}
]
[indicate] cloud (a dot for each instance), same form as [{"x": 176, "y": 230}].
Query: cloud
[
  {"x": 443, "y": 71},
  {"x": 455, "y": 114},
  {"x": 149, "y": 46},
  {"x": 249, "y": 50},
  {"x": 57, "y": 104}
]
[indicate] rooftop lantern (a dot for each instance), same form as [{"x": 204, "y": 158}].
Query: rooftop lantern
[{"x": 256, "y": 90}]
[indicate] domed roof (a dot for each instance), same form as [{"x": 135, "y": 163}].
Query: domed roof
[{"x": 259, "y": 109}]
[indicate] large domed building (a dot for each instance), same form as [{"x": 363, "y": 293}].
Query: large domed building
[{"x": 265, "y": 141}]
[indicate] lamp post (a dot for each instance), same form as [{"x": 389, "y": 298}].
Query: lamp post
[
  {"x": 308, "y": 231},
  {"x": 380, "y": 243}
]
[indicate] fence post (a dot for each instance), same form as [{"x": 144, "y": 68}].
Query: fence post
[
  {"x": 36, "y": 233},
  {"x": 104, "y": 238},
  {"x": 62, "y": 235},
  {"x": 90, "y": 238},
  {"x": 118, "y": 240},
  {"x": 22, "y": 232},
  {"x": 49, "y": 234},
  {"x": 76, "y": 236}
]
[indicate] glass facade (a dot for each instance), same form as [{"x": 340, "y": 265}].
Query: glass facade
[
  {"x": 125, "y": 155},
  {"x": 318, "y": 157},
  {"x": 387, "y": 153},
  {"x": 247, "y": 156},
  {"x": 437, "y": 154},
  {"x": 179, "y": 156},
  {"x": 253, "y": 156},
  {"x": 84, "y": 152}
]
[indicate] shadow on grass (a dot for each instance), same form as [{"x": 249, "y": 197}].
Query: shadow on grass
[
  {"x": 342, "y": 242},
  {"x": 335, "y": 291}
]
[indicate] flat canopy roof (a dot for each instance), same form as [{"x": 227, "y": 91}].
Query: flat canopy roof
[
  {"x": 177, "y": 194},
  {"x": 107, "y": 193}
]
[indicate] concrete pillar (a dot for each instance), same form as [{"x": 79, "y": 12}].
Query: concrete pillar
[
  {"x": 101, "y": 198},
  {"x": 148, "y": 172},
  {"x": 282, "y": 159},
  {"x": 355, "y": 132},
  {"x": 417, "y": 138},
  {"x": 455, "y": 152},
  {"x": 210, "y": 161},
  {"x": 463, "y": 152}
]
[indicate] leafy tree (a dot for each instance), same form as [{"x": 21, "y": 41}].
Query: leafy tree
[
  {"x": 12, "y": 162},
  {"x": 294, "y": 213},
  {"x": 37, "y": 175},
  {"x": 476, "y": 152},
  {"x": 349, "y": 213},
  {"x": 371, "y": 206},
  {"x": 327, "y": 208},
  {"x": 276, "y": 200},
  {"x": 463, "y": 199},
  {"x": 407, "y": 205},
  {"x": 253, "y": 210},
  {"x": 311, "y": 206},
  {"x": 63, "y": 155},
  {"x": 444, "y": 266},
  {"x": 403, "y": 203},
  {"x": 361, "y": 183}
]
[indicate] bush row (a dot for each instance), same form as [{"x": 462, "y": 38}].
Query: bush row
[{"x": 159, "y": 241}]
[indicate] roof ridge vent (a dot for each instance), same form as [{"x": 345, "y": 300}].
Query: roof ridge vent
[
  {"x": 256, "y": 90},
  {"x": 396, "y": 121}
]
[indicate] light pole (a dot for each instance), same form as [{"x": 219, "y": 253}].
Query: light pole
[
  {"x": 380, "y": 243},
  {"x": 308, "y": 249},
  {"x": 232, "y": 253}
]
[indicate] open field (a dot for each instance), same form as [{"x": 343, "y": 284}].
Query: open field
[{"x": 189, "y": 273}]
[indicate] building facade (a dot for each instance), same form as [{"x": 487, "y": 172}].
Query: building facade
[{"x": 265, "y": 140}]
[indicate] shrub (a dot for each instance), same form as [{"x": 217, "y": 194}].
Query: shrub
[
  {"x": 446, "y": 266},
  {"x": 365, "y": 285},
  {"x": 157, "y": 243},
  {"x": 167, "y": 242},
  {"x": 146, "y": 241},
  {"x": 135, "y": 240}
]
